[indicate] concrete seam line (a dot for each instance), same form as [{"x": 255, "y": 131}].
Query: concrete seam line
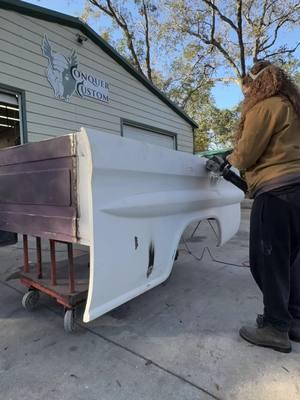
[
  {"x": 174, "y": 374},
  {"x": 152, "y": 362},
  {"x": 11, "y": 287}
]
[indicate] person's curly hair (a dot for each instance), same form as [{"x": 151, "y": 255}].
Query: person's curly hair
[{"x": 273, "y": 81}]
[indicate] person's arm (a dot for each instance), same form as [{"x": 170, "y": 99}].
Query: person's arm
[{"x": 259, "y": 126}]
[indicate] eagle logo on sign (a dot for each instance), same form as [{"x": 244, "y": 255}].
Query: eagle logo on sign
[{"x": 59, "y": 71}]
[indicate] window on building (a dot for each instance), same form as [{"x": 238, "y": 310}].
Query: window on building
[
  {"x": 149, "y": 135},
  {"x": 10, "y": 124}
]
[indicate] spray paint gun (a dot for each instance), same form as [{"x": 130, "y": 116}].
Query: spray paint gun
[{"x": 221, "y": 167}]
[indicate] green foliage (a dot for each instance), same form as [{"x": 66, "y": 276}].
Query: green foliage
[
  {"x": 292, "y": 67},
  {"x": 216, "y": 128}
]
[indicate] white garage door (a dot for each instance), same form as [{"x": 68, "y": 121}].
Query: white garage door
[{"x": 149, "y": 136}]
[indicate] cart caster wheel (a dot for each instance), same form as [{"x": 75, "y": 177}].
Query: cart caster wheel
[
  {"x": 30, "y": 300},
  {"x": 69, "y": 321}
]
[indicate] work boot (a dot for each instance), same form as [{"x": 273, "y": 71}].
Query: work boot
[
  {"x": 294, "y": 332},
  {"x": 267, "y": 336}
]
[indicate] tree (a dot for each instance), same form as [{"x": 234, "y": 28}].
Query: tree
[
  {"x": 185, "y": 46},
  {"x": 216, "y": 128},
  {"x": 231, "y": 35},
  {"x": 292, "y": 67},
  {"x": 237, "y": 32},
  {"x": 179, "y": 71},
  {"x": 136, "y": 21},
  {"x": 146, "y": 45}
]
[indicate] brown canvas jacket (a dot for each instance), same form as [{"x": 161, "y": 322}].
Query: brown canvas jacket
[{"x": 270, "y": 143}]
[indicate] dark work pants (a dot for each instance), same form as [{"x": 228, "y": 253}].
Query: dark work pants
[{"x": 275, "y": 254}]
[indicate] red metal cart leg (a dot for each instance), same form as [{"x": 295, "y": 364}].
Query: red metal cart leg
[
  {"x": 25, "y": 253},
  {"x": 53, "y": 262},
  {"x": 71, "y": 268},
  {"x": 39, "y": 258},
  {"x": 53, "y": 282}
]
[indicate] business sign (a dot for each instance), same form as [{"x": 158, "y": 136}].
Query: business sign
[{"x": 66, "y": 79}]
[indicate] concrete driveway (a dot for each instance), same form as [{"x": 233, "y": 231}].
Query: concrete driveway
[{"x": 178, "y": 341}]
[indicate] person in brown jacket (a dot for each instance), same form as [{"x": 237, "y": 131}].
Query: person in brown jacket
[{"x": 268, "y": 151}]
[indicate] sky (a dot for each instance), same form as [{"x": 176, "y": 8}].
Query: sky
[{"x": 226, "y": 96}]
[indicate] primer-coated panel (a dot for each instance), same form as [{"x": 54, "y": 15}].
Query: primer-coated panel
[{"x": 135, "y": 201}]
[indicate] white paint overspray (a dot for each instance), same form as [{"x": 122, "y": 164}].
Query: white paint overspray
[{"x": 136, "y": 193}]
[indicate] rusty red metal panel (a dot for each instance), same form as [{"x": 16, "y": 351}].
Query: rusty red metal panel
[
  {"x": 51, "y": 188},
  {"x": 45, "y": 150},
  {"x": 38, "y": 189}
]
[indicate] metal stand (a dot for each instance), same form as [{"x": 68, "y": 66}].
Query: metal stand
[{"x": 56, "y": 279}]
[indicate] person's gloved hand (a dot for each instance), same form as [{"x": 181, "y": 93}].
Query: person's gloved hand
[{"x": 216, "y": 164}]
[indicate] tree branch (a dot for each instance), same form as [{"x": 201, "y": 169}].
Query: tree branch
[
  {"x": 217, "y": 44},
  {"x": 250, "y": 5},
  {"x": 280, "y": 25},
  {"x": 240, "y": 37},
  {"x": 222, "y": 16},
  {"x": 247, "y": 13},
  {"x": 213, "y": 25},
  {"x": 283, "y": 51},
  {"x": 202, "y": 82},
  {"x": 120, "y": 20},
  {"x": 289, "y": 14},
  {"x": 148, "y": 55},
  {"x": 258, "y": 37},
  {"x": 101, "y": 7}
]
